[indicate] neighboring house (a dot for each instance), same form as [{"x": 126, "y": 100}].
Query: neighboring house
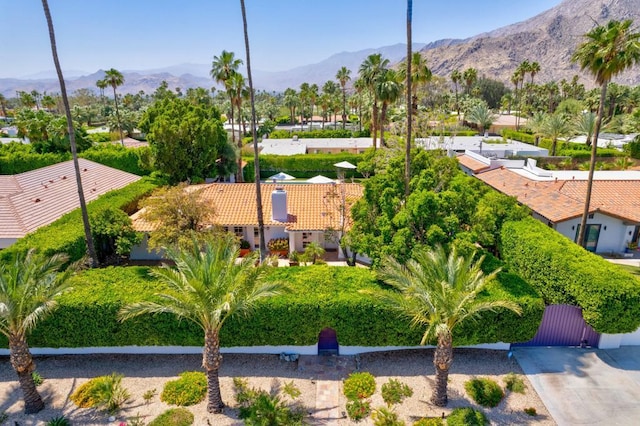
[
  {"x": 302, "y": 213},
  {"x": 296, "y": 145},
  {"x": 557, "y": 199},
  {"x": 494, "y": 147},
  {"x": 36, "y": 198}
]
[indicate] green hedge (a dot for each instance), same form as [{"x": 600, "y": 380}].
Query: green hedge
[
  {"x": 312, "y": 134},
  {"x": 569, "y": 149},
  {"x": 19, "y": 158},
  {"x": 121, "y": 158},
  {"x": 320, "y": 296},
  {"x": 301, "y": 166},
  {"x": 565, "y": 273},
  {"x": 66, "y": 235}
]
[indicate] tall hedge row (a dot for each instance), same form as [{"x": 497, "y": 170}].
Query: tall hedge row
[
  {"x": 66, "y": 235},
  {"x": 126, "y": 159},
  {"x": 13, "y": 163},
  {"x": 565, "y": 273},
  {"x": 301, "y": 166},
  {"x": 318, "y": 297}
]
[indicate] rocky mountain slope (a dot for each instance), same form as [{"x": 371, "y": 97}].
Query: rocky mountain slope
[{"x": 549, "y": 38}]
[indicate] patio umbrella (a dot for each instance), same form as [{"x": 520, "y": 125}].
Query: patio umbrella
[
  {"x": 281, "y": 176},
  {"x": 320, "y": 179}
]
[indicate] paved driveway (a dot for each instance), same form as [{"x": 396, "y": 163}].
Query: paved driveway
[{"x": 585, "y": 386}]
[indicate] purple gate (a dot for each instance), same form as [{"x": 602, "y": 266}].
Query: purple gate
[
  {"x": 328, "y": 342},
  {"x": 563, "y": 325}
]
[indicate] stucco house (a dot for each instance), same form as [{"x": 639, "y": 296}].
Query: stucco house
[
  {"x": 301, "y": 213},
  {"x": 38, "y": 197},
  {"x": 557, "y": 198}
]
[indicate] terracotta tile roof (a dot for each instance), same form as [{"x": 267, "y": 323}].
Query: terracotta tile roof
[
  {"x": 310, "y": 207},
  {"x": 36, "y": 198},
  {"x": 564, "y": 199},
  {"x": 471, "y": 163}
]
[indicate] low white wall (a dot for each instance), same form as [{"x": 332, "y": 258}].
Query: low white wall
[{"x": 179, "y": 350}]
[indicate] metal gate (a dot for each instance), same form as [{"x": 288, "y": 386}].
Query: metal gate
[{"x": 563, "y": 325}]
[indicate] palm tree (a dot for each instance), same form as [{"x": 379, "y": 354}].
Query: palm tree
[
  {"x": 584, "y": 124},
  {"x": 555, "y": 126},
  {"x": 410, "y": 97},
  {"x": 456, "y": 78},
  {"x": 534, "y": 68},
  {"x": 28, "y": 289},
  {"x": 481, "y": 116},
  {"x": 222, "y": 68},
  {"x": 93, "y": 258},
  {"x": 608, "y": 50},
  {"x": 420, "y": 75},
  {"x": 3, "y": 105},
  {"x": 388, "y": 89},
  {"x": 439, "y": 291},
  {"x": 237, "y": 88},
  {"x": 370, "y": 71},
  {"x": 114, "y": 78},
  {"x": 291, "y": 101},
  {"x": 208, "y": 286},
  {"x": 536, "y": 125},
  {"x": 313, "y": 95},
  {"x": 343, "y": 76},
  {"x": 256, "y": 159},
  {"x": 469, "y": 76}
]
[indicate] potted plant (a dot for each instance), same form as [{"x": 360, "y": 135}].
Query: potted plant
[
  {"x": 631, "y": 246},
  {"x": 294, "y": 258},
  {"x": 278, "y": 246},
  {"x": 245, "y": 247}
]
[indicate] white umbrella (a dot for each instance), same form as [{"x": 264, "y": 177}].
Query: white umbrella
[
  {"x": 320, "y": 179},
  {"x": 281, "y": 176},
  {"x": 344, "y": 165}
]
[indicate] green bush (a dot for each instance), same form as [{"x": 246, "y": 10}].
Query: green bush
[
  {"x": 466, "y": 417},
  {"x": 37, "y": 378},
  {"x": 531, "y": 411},
  {"x": 102, "y": 392},
  {"x": 429, "y": 421},
  {"x": 58, "y": 421},
  {"x": 259, "y": 407},
  {"x": 130, "y": 160},
  {"x": 358, "y": 409},
  {"x": 99, "y": 137},
  {"x": 66, "y": 235},
  {"x": 514, "y": 383},
  {"x": 632, "y": 148},
  {"x": 394, "y": 392},
  {"x": 359, "y": 385},
  {"x": 173, "y": 417},
  {"x": 112, "y": 233},
  {"x": 385, "y": 417},
  {"x": 18, "y": 158},
  {"x": 565, "y": 273},
  {"x": 485, "y": 392},
  {"x": 311, "y": 134},
  {"x": 189, "y": 389}
]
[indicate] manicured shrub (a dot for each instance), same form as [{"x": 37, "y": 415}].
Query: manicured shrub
[
  {"x": 358, "y": 409},
  {"x": 359, "y": 385},
  {"x": 394, "y": 392},
  {"x": 514, "y": 383},
  {"x": 104, "y": 392},
  {"x": 485, "y": 392},
  {"x": 189, "y": 389},
  {"x": 386, "y": 417},
  {"x": 429, "y": 421},
  {"x": 565, "y": 273},
  {"x": 530, "y": 411},
  {"x": 466, "y": 417},
  {"x": 173, "y": 417},
  {"x": 130, "y": 160}
]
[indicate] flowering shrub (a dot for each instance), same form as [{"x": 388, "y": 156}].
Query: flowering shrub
[
  {"x": 359, "y": 385},
  {"x": 278, "y": 244}
]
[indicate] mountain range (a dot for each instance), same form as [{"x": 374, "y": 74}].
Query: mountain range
[{"x": 549, "y": 38}]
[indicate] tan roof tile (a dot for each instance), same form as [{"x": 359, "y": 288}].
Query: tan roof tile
[{"x": 471, "y": 163}]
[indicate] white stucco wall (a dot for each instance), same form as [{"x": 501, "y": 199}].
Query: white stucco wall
[
  {"x": 141, "y": 251},
  {"x": 614, "y": 234},
  {"x": 613, "y": 341}
]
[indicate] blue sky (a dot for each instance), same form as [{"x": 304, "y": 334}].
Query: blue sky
[{"x": 145, "y": 34}]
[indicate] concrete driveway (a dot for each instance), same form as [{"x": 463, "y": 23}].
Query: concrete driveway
[{"x": 585, "y": 386}]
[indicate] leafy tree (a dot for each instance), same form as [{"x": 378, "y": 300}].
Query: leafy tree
[
  {"x": 607, "y": 51},
  {"x": 114, "y": 78},
  {"x": 207, "y": 287},
  {"x": 439, "y": 291},
  {"x": 112, "y": 233},
  {"x": 28, "y": 289},
  {"x": 187, "y": 140},
  {"x": 72, "y": 137}
]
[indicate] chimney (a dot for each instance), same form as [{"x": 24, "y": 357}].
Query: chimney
[{"x": 279, "y": 204}]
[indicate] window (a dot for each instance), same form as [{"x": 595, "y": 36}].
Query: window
[
  {"x": 256, "y": 238},
  {"x": 306, "y": 239},
  {"x": 591, "y": 236}
]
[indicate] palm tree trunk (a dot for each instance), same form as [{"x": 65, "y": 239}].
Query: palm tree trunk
[
  {"x": 442, "y": 359},
  {"x": 553, "y": 147},
  {"x": 383, "y": 118},
  {"x": 211, "y": 361},
  {"x": 407, "y": 149},
  {"x": 592, "y": 165},
  {"x": 344, "y": 107},
  {"x": 256, "y": 162},
  {"x": 374, "y": 122},
  {"x": 115, "y": 99},
  {"x": 93, "y": 259},
  {"x": 22, "y": 363},
  {"x": 240, "y": 174}
]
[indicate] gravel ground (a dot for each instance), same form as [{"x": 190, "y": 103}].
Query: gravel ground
[{"x": 63, "y": 374}]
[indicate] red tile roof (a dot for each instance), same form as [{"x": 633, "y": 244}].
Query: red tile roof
[
  {"x": 564, "y": 199},
  {"x": 36, "y": 198},
  {"x": 471, "y": 163},
  {"x": 310, "y": 207}
]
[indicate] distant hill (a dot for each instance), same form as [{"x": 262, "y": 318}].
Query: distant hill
[{"x": 549, "y": 38}]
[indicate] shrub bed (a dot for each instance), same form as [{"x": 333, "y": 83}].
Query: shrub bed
[
  {"x": 466, "y": 417},
  {"x": 320, "y": 296},
  {"x": 66, "y": 235},
  {"x": 565, "y": 273},
  {"x": 189, "y": 389},
  {"x": 485, "y": 392}
]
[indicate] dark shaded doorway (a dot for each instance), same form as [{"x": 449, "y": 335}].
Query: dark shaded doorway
[{"x": 328, "y": 342}]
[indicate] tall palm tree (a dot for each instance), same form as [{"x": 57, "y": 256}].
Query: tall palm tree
[
  {"x": 291, "y": 101},
  {"x": 556, "y": 126},
  {"x": 256, "y": 159},
  {"x": 536, "y": 124},
  {"x": 584, "y": 124},
  {"x": 439, "y": 291},
  {"x": 343, "y": 76},
  {"x": 3, "y": 105},
  {"x": 410, "y": 98},
  {"x": 607, "y": 51},
  {"x": 469, "y": 76},
  {"x": 28, "y": 289},
  {"x": 222, "y": 68},
  {"x": 370, "y": 71},
  {"x": 456, "y": 78},
  {"x": 482, "y": 116},
  {"x": 114, "y": 78},
  {"x": 93, "y": 258},
  {"x": 388, "y": 89},
  {"x": 420, "y": 75},
  {"x": 236, "y": 87},
  {"x": 207, "y": 287},
  {"x": 313, "y": 95},
  {"x": 534, "y": 68}
]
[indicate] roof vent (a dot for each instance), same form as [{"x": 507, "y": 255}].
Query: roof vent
[
  {"x": 36, "y": 200},
  {"x": 84, "y": 170},
  {"x": 63, "y": 177}
]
